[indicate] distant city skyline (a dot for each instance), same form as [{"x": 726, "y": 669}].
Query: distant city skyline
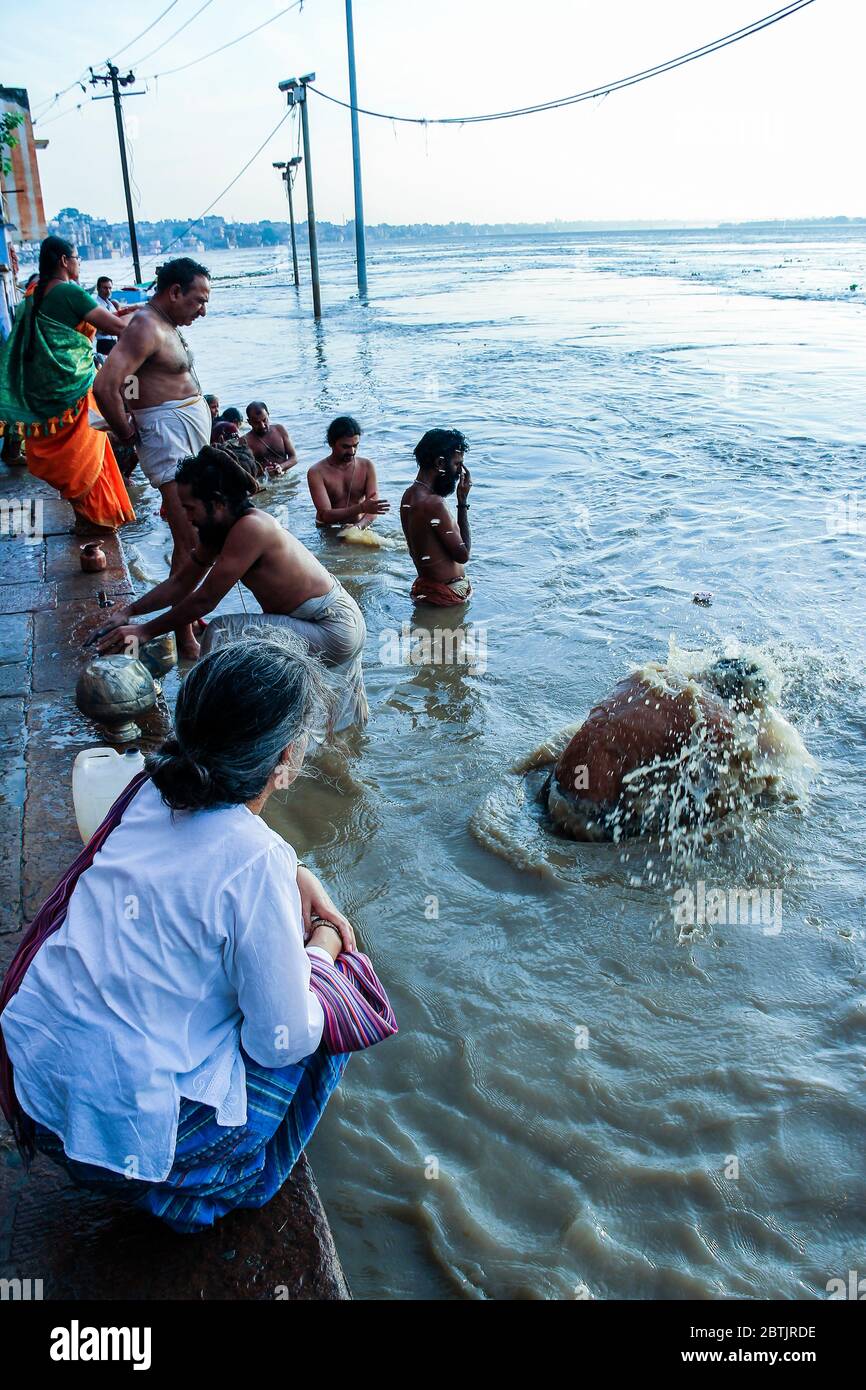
[
  {"x": 765, "y": 129},
  {"x": 97, "y": 238}
]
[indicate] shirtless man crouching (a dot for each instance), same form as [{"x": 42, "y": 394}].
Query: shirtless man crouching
[
  {"x": 269, "y": 444},
  {"x": 170, "y": 418},
  {"x": 438, "y": 548},
  {"x": 236, "y": 542},
  {"x": 344, "y": 487}
]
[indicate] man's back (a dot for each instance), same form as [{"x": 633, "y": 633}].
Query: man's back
[{"x": 275, "y": 566}]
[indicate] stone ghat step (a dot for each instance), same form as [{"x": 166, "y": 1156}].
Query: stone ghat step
[{"x": 84, "y": 1245}]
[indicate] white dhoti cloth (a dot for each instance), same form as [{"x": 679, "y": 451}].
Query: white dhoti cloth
[
  {"x": 334, "y": 629},
  {"x": 169, "y": 432}
]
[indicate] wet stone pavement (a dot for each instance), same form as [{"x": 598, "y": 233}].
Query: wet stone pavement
[{"x": 78, "y": 1243}]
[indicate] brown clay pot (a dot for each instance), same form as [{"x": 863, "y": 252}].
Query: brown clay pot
[{"x": 93, "y": 558}]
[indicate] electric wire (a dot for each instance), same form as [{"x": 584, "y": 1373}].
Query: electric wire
[
  {"x": 169, "y": 72},
  {"x": 603, "y": 89},
  {"x": 144, "y": 57}
]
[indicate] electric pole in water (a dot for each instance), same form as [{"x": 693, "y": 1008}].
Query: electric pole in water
[
  {"x": 360, "y": 231},
  {"x": 288, "y": 169},
  {"x": 113, "y": 78},
  {"x": 296, "y": 94}
]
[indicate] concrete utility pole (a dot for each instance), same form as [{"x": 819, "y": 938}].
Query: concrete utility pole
[
  {"x": 113, "y": 78},
  {"x": 288, "y": 168},
  {"x": 360, "y": 230},
  {"x": 296, "y": 94}
]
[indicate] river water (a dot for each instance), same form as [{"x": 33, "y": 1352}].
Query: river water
[{"x": 584, "y": 1101}]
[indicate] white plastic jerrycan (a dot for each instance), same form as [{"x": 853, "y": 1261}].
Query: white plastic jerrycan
[{"x": 98, "y": 777}]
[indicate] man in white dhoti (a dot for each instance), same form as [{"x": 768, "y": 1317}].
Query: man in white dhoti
[{"x": 150, "y": 396}]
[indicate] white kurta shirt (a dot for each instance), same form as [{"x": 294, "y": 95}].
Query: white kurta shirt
[{"x": 183, "y": 942}]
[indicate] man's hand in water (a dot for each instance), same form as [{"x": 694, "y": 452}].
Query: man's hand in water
[
  {"x": 125, "y": 638},
  {"x": 315, "y": 902},
  {"x": 464, "y": 484},
  {"x": 376, "y": 504}
]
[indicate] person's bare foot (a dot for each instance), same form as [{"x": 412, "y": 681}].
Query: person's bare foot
[{"x": 188, "y": 648}]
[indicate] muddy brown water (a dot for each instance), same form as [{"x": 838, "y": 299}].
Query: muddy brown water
[{"x": 583, "y": 1102}]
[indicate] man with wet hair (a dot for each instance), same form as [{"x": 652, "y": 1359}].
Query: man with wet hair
[
  {"x": 343, "y": 486},
  {"x": 439, "y": 548},
  {"x": 237, "y": 543},
  {"x": 269, "y": 444},
  {"x": 150, "y": 396}
]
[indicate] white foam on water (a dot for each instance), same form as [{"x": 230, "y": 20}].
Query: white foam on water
[
  {"x": 364, "y": 535},
  {"x": 702, "y": 796}
]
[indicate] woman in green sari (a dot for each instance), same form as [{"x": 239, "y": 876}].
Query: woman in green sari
[{"x": 46, "y": 376}]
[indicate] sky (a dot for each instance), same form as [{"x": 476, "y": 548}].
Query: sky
[{"x": 769, "y": 127}]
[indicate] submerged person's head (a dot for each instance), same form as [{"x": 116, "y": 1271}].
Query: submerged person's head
[
  {"x": 243, "y": 718},
  {"x": 214, "y": 491},
  {"x": 232, "y": 416},
  {"x": 744, "y": 683},
  {"x": 439, "y": 455},
  {"x": 258, "y": 417},
  {"x": 344, "y": 436},
  {"x": 183, "y": 290}
]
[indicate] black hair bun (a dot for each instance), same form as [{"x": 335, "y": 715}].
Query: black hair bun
[{"x": 183, "y": 783}]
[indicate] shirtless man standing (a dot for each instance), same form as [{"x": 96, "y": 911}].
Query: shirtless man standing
[
  {"x": 269, "y": 444},
  {"x": 343, "y": 486},
  {"x": 170, "y": 419},
  {"x": 236, "y": 542},
  {"x": 438, "y": 548}
]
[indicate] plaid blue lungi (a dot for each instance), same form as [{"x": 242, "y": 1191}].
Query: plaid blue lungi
[{"x": 218, "y": 1168}]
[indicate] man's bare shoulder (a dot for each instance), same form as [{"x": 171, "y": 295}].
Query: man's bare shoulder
[
  {"x": 423, "y": 502},
  {"x": 142, "y": 337},
  {"x": 255, "y": 519},
  {"x": 143, "y": 330},
  {"x": 318, "y": 468}
]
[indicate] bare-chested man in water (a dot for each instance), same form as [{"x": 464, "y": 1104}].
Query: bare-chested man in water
[
  {"x": 343, "y": 486},
  {"x": 236, "y": 543},
  {"x": 269, "y": 444},
  {"x": 438, "y": 547},
  {"x": 150, "y": 373}
]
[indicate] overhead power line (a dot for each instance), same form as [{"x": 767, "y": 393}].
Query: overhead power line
[
  {"x": 603, "y": 89},
  {"x": 79, "y": 81},
  {"x": 152, "y": 76},
  {"x": 68, "y": 110},
  {"x": 229, "y": 186},
  {"x": 144, "y": 57},
  {"x": 52, "y": 101},
  {"x": 150, "y": 26}
]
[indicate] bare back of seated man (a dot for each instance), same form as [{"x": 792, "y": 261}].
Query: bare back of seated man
[
  {"x": 150, "y": 396},
  {"x": 344, "y": 487},
  {"x": 439, "y": 546},
  {"x": 270, "y": 444},
  {"x": 252, "y": 549},
  {"x": 239, "y": 544}
]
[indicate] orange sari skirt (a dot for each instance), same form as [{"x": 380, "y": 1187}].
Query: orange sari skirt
[{"x": 79, "y": 462}]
